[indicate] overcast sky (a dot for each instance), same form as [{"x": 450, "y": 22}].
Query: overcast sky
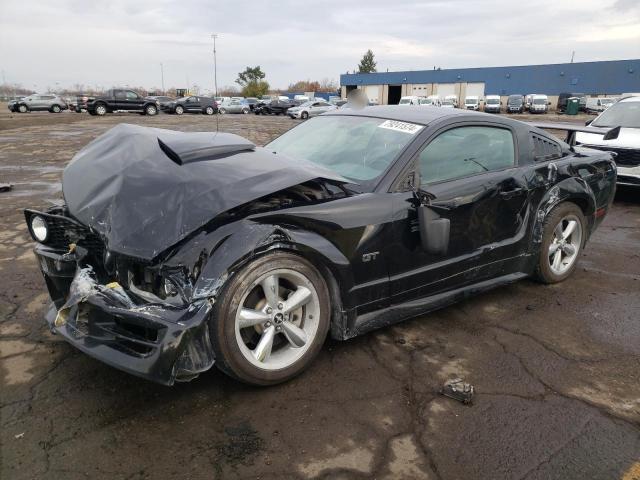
[{"x": 119, "y": 42}]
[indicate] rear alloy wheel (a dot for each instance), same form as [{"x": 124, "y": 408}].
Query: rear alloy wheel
[
  {"x": 304, "y": 115},
  {"x": 209, "y": 111},
  {"x": 151, "y": 110},
  {"x": 245, "y": 111},
  {"x": 23, "y": 109},
  {"x": 561, "y": 243},
  {"x": 179, "y": 110},
  {"x": 56, "y": 109},
  {"x": 101, "y": 110},
  {"x": 222, "y": 111},
  {"x": 271, "y": 320}
]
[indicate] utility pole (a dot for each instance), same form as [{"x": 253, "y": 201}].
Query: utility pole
[
  {"x": 573, "y": 54},
  {"x": 215, "y": 64},
  {"x": 162, "y": 76}
]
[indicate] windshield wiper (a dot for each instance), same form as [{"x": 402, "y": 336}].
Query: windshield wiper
[{"x": 472, "y": 159}]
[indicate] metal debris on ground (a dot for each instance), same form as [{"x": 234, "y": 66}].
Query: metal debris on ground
[
  {"x": 458, "y": 390},
  {"x": 5, "y": 187}
]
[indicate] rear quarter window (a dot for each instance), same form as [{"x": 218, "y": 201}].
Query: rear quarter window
[{"x": 544, "y": 148}]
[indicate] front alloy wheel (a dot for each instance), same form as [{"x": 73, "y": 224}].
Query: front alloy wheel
[
  {"x": 151, "y": 110},
  {"x": 23, "y": 109},
  {"x": 179, "y": 110},
  {"x": 272, "y": 320},
  {"x": 209, "y": 111}
]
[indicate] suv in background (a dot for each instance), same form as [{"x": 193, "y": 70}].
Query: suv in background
[
  {"x": 120, "y": 100},
  {"x": 191, "y": 104},
  {"x": 33, "y": 103}
]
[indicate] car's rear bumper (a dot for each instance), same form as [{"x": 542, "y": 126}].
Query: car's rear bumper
[
  {"x": 629, "y": 176},
  {"x": 157, "y": 341}
]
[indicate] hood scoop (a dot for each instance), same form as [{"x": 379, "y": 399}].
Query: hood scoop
[{"x": 200, "y": 146}]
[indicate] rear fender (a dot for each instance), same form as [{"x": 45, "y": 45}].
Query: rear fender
[{"x": 572, "y": 189}]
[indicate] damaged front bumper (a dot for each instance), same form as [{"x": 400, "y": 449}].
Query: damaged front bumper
[{"x": 157, "y": 341}]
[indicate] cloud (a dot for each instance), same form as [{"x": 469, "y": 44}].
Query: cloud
[{"x": 49, "y": 42}]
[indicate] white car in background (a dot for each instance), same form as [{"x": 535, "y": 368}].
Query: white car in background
[
  {"x": 310, "y": 109},
  {"x": 431, "y": 100},
  {"x": 599, "y": 104},
  {"x": 492, "y": 104},
  {"x": 410, "y": 100},
  {"x": 624, "y": 118},
  {"x": 450, "y": 101}
]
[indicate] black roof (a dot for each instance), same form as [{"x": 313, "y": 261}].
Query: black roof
[{"x": 414, "y": 114}]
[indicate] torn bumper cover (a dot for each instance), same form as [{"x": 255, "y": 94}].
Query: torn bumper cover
[{"x": 156, "y": 341}]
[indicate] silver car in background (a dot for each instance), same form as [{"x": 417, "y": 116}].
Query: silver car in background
[
  {"x": 41, "y": 102},
  {"x": 310, "y": 109},
  {"x": 234, "y": 105}
]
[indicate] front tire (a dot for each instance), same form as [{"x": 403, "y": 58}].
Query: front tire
[
  {"x": 222, "y": 111},
  {"x": 209, "y": 111},
  {"x": 304, "y": 115},
  {"x": 23, "y": 109},
  {"x": 179, "y": 110},
  {"x": 56, "y": 109},
  {"x": 562, "y": 241},
  {"x": 245, "y": 111},
  {"x": 271, "y": 319}
]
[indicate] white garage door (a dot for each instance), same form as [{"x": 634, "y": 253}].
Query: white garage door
[
  {"x": 372, "y": 93},
  {"x": 444, "y": 89},
  {"x": 476, "y": 89}
]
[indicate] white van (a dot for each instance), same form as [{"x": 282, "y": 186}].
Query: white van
[
  {"x": 472, "y": 102},
  {"x": 539, "y": 104},
  {"x": 410, "y": 100},
  {"x": 430, "y": 101},
  {"x": 492, "y": 104},
  {"x": 450, "y": 101},
  {"x": 596, "y": 105}
]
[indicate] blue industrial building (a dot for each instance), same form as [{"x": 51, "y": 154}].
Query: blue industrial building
[{"x": 592, "y": 78}]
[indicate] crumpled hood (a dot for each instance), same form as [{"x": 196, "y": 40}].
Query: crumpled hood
[{"x": 145, "y": 189}]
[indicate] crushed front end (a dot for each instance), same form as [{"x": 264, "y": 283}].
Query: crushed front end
[{"x": 128, "y": 313}]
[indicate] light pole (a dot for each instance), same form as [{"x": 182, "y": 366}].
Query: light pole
[
  {"x": 215, "y": 65},
  {"x": 162, "y": 76}
]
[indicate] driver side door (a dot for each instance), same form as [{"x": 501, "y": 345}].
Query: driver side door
[{"x": 470, "y": 171}]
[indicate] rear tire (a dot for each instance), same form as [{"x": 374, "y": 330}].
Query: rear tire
[
  {"x": 245, "y": 111},
  {"x": 151, "y": 110},
  {"x": 272, "y": 348},
  {"x": 101, "y": 109},
  {"x": 23, "y": 109},
  {"x": 222, "y": 111},
  {"x": 179, "y": 110},
  {"x": 209, "y": 111},
  {"x": 562, "y": 241},
  {"x": 56, "y": 109}
]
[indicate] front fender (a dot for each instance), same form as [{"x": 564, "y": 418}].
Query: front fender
[
  {"x": 251, "y": 239},
  {"x": 572, "y": 189}
]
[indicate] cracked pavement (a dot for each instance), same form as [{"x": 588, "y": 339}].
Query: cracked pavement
[{"x": 556, "y": 368}]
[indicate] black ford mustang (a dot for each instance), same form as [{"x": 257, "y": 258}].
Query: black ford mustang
[{"x": 174, "y": 251}]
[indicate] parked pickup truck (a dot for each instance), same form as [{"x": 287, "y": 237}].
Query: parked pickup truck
[{"x": 118, "y": 100}]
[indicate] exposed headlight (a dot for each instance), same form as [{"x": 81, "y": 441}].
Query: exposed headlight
[{"x": 39, "y": 228}]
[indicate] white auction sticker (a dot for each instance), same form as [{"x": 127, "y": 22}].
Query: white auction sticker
[{"x": 410, "y": 128}]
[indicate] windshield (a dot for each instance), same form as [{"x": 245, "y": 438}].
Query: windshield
[
  {"x": 470, "y": 101},
  {"x": 359, "y": 148},
  {"x": 448, "y": 102},
  {"x": 425, "y": 101},
  {"x": 405, "y": 101},
  {"x": 625, "y": 114},
  {"x": 492, "y": 101},
  {"x": 515, "y": 100},
  {"x": 539, "y": 101}
]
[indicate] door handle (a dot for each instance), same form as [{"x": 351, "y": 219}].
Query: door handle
[{"x": 512, "y": 193}]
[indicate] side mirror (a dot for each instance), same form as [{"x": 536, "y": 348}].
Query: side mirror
[{"x": 434, "y": 231}]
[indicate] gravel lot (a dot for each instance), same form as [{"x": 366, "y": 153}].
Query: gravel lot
[{"x": 556, "y": 368}]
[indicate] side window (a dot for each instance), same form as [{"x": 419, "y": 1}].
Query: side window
[
  {"x": 120, "y": 94},
  {"x": 132, "y": 95},
  {"x": 545, "y": 149},
  {"x": 465, "y": 151}
]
